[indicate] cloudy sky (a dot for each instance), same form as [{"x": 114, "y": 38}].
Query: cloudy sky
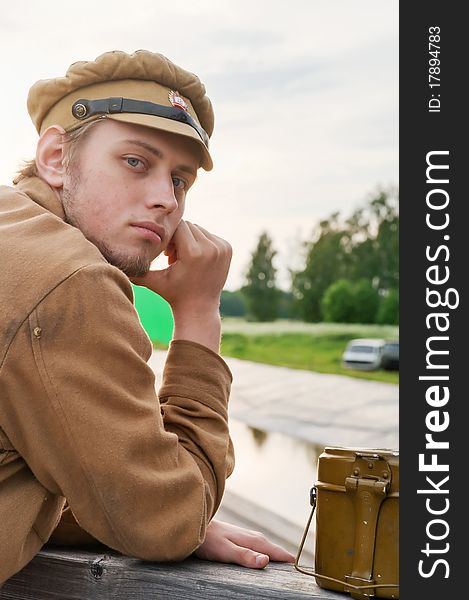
[{"x": 305, "y": 95}]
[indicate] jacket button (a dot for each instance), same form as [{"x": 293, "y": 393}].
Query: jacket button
[{"x": 37, "y": 332}]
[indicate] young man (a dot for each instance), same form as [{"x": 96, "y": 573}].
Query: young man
[{"x": 87, "y": 449}]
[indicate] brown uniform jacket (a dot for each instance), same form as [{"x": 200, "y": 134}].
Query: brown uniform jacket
[{"x": 79, "y": 415}]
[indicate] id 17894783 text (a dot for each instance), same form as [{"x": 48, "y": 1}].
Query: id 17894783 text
[{"x": 434, "y": 69}]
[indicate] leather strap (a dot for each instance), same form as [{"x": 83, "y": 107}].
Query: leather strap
[
  {"x": 84, "y": 109},
  {"x": 368, "y": 486}
]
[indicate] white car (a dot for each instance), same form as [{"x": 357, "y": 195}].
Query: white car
[{"x": 363, "y": 354}]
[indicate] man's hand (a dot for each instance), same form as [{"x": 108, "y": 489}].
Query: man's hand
[
  {"x": 192, "y": 283},
  {"x": 228, "y": 543},
  {"x": 198, "y": 267}
]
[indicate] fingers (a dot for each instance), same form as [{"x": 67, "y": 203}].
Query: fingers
[
  {"x": 189, "y": 236},
  {"x": 182, "y": 241},
  {"x": 199, "y": 231},
  {"x": 224, "y": 550},
  {"x": 198, "y": 265},
  {"x": 229, "y": 543},
  {"x": 171, "y": 253},
  {"x": 153, "y": 280},
  {"x": 247, "y": 557},
  {"x": 258, "y": 542}
]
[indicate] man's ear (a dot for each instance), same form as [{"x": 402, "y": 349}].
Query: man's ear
[{"x": 50, "y": 156}]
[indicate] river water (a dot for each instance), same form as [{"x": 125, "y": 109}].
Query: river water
[{"x": 274, "y": 470}]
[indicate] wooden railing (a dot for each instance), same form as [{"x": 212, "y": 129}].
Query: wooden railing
[{"x": 72, "y": 574}]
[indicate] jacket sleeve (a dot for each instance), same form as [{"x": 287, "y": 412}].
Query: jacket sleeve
[{"x": 141, "y": 476}]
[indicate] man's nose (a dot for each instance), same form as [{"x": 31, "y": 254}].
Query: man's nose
[{"x": 161, "y": 195}]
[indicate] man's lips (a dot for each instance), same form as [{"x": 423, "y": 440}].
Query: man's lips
[{"x": 150, "y": 230}]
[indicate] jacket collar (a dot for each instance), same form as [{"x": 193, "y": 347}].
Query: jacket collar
[{"x": 41, "y": 192}]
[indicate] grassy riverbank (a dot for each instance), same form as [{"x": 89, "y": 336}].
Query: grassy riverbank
[{"x": 310, "y": 346}]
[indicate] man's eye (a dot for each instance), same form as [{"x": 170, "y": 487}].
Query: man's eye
[
  {"x": 179, "y": 183},
  {"x": 134, "y": 162}
]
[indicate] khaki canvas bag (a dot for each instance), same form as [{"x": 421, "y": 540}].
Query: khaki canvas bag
[{"x": 356, "y": 498}]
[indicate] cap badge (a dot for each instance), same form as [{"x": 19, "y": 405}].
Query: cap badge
[{"x": 177, "y": 100}]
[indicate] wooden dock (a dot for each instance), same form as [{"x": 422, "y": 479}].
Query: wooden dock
[{"x": 71, "y": 574}]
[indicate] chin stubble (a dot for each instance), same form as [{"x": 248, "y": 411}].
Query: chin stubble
[{"x": 132, "y": 266}]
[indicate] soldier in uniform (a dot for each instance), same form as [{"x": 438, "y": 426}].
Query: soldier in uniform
[{"x": 88, "y": 450}]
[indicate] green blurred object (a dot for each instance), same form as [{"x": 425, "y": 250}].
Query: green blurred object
[{"x": 155, "y": 314}]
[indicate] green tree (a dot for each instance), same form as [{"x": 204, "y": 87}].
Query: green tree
[
  {"x": 285, "y": 305},
  {"x": 365, "y": 302},
  {"x": 345, "y": 301},
  {"x": 325, "y": 263},
  {"x": 388, "y": 312},
  {"x": 365, "y": 246},
  {"x": 232, "y": 304},
  {"x": 338, "y": 303},
  {"x": 372, "y": 240},
  {"x": 260, "y": 292}
]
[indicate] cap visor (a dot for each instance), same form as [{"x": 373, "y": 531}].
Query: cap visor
[{"x": 167, "y": 125}]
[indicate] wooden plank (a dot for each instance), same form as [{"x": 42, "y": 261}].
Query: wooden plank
[{"x": 70, "y": 574}]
